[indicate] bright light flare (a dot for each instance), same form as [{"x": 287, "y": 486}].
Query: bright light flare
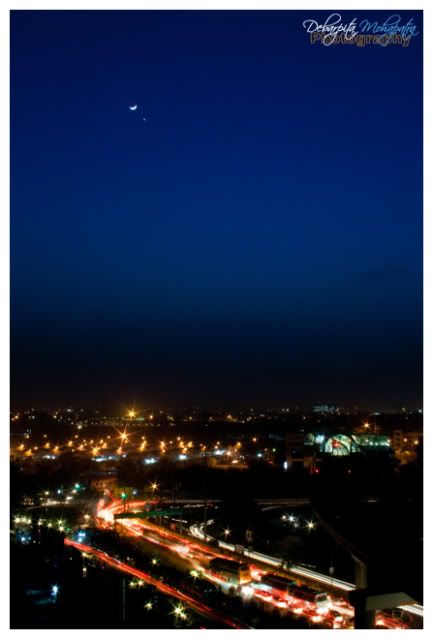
[{"x": 247, "y": 592}]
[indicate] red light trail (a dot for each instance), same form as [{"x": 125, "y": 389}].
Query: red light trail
[{"x": 164, "y": 588}]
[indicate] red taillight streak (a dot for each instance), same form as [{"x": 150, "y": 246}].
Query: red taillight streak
[{"x": 168, "y": 590}]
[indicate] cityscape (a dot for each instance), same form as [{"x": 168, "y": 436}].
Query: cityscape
[
  {"x": 216, "y": 409},
  {"x": 212, "y": 519}
]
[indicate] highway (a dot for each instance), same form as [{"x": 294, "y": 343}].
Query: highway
[
  {"x": 197, "y": 555},
  {"x": 198, "y": 606},
  {"x": 298, "y": 571},
  {"x": 191, "y": 553}
]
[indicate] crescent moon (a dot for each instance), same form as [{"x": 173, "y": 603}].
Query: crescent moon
[{"x": 133, "y": 107}]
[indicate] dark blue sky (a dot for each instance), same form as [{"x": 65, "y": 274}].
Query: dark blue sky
[{"x": 257, "y": 241}]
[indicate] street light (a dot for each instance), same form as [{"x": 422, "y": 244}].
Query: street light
[
  {"x": 179, "y": 612},
  {"x": 227, "y": 532}
]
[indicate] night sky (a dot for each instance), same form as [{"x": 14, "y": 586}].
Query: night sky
[{"x": 256, "y": 242}]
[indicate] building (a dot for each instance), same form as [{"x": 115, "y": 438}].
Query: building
[{"x": 328, "y": 409}]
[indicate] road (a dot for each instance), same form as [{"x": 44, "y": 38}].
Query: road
[
  {"x": 298, "y": 571},
  {"x": 196, "y": 556},
  {"x": 198, "y": 606}
]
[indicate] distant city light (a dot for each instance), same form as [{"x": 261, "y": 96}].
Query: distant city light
[{"x": 150, "y": 460}]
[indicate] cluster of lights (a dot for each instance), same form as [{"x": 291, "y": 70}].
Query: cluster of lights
[
  {"x": 127, "y": 441},
  {"x": 94, "y": 446},
  {"x": 309, "y": 525},
  {"x": 76, "y": 488},
  {"x": 81, "y": 536},
  {"x": 136, "y": 583},
  {"x": 22, "y": 520},
  {"x": 72, "y": 445},
  {"x": 26, "y": 521}
]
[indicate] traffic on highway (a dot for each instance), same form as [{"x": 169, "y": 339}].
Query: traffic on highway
[{"x": 282, "y": 591}]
